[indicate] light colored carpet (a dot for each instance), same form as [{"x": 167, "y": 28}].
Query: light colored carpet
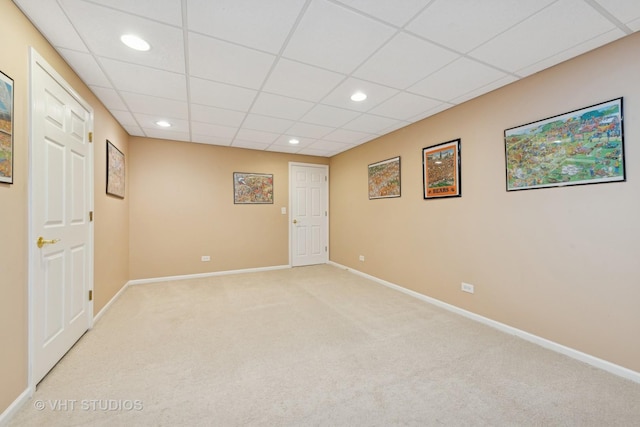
[{"x": 313, "y": 346}]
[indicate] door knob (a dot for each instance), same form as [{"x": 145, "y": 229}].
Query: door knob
[
  {"x": 295, "y": 221},
  {"x": 41, "y": 242}
]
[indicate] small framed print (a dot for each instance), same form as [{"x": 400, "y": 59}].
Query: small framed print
[
  {"x": 384, "y": 179},
  {"x": 252, "y": 188},
  {"x": 6, "y": 128},
  {"x": 115, "y": 171},
  {"x": 441, "y": 170}
]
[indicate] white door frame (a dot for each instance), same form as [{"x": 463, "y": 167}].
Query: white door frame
[
  {"x": 36, "y": 60},
  {"x": 289, "y": 217}
]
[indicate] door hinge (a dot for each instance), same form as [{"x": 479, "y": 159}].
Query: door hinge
[
  {"x": 325, "y": 213},
  {"x": 90, "y": 216},
  {"x": 326, "y": 178},
  {"x": 325, "y": 249},
  {"x": 91, "y": 295},
  {"x": 90, "y": 136}
]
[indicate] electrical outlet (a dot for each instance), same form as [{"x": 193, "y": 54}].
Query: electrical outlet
[
  {"x": 466, "y": 287},
  {"x": 205, "y": 258},
  {"x": 361, "y": 257}
]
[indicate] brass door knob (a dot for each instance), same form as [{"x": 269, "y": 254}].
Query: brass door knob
[
  {"x": 42, "y": 241},
  {"x": 295, "y": 221}
]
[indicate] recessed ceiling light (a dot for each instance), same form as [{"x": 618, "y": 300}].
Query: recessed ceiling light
[
  {"x": 359, "y": 96},
  {"x": 294, "y": 141},
  {"x": 163, "y": 123},
  {"x": 135, "y": 42}
]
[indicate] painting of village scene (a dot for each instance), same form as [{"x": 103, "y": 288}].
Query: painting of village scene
[
  {"x": 115, "y": 171},
  {"x": 6, "y": 129},
  {"x": 252, "y": 188},
  {"x": 581, "y": 147},
  {"x": 384, "y": 179},
  {"x": 441, "y": 171}
]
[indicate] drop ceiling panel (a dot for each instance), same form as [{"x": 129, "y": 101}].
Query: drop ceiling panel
[
  {"x": 329, "y": 116},
  {"x": 280, "y": 106},
  {"x": 109, "y": 97},
  {"x": 225, "y": 132},
  {"x": 309, "y": 131},
  {"x": 262, "y": 25},
  {"x": 213, "y": 94},
  {"x": 149, "y": 81},
  {"x": 404, "y": 61},
  {"x": 148, "y": 123},
  {"x": 102, "y": 27},
  {"x": 166, "y": 11},
  {"x": 124, "y": 117},
  {"x": 404, "y": 106},
  {"x": 283, "y": 141},
  {"x": 330, "y": 146},
  {"x": 292, "y": 79},
  {"x": 370, "y": 124},
  {"x": 347, "y": 136},
  {"x": 211, "y": 140},
  {"x": 534, "y": 45},
  {"x": 335, "y": 38},
  {"x": 159, "y": 107},
  {"x": 454, "y": 80},
  {"x": 571, "y": 52},
  {"x": 624, "y": 10},
  {"x": 250, "y": 145},
  {"x": 53, "y": 24},
  {"x": 227, "y": 63},
  {"x": 268, "y": 124},
  {"x": 84, "y": 64},
  {"x": 216, "y": 116},
  {"x": 463, "y": 25},
  {"x": 256, "y": 136},
  {"x": 397, "y": 13},
  {"x": 341, "y": 96},
  {"x": 167, "y": 134}
]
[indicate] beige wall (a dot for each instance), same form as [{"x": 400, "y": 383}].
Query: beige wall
[
  {"x": 182, "y": 208},
  {"x": 561, "y": 263},
  {"x": 111, "y": 222}
]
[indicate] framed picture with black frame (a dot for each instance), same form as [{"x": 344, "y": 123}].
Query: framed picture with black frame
[
  {"x": 584, "y": 146},
  {"x": 441, "y": 170}
]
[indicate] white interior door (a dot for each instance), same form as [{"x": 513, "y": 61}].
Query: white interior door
[
  {"x": 309, "y": 214},
  {"x": 61, "y": 173}
]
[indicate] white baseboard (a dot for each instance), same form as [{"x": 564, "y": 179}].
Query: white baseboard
[
  {"x": 15, "y": 406},
  {"x": 110, "y": 303},
  {"x": 543, "y": 342},
  {"x": 201, "y": 275}
]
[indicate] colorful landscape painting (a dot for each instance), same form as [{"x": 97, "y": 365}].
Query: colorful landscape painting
[
  {"x": 384, "y": 179},
  {"x": 252, "y": 188},
  {"x": 6, "y": 129},
  {"x": 581, "y": 147}
]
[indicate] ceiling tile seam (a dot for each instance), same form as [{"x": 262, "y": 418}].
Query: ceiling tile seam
[
  {"x": 519, "y": 71},
  {"x": 278, "y": 56},
  {"x": 187, "y": 68},
  {"x": 609, "y": 16},
  {"x": 100, "y": 65},
  {"x": 126, "y": 12},
  {"x": 363, "y": 13}
]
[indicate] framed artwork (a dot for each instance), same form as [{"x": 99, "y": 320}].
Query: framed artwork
[
  {"x": 6, "y": 128},
  {"x": 584, "y": 146},
  {"x": 252, "y": 188},
  {"x": 441, "y": 170},
  {"x": 384, "y": 179},
  {"x": 115, "y": 171}
]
